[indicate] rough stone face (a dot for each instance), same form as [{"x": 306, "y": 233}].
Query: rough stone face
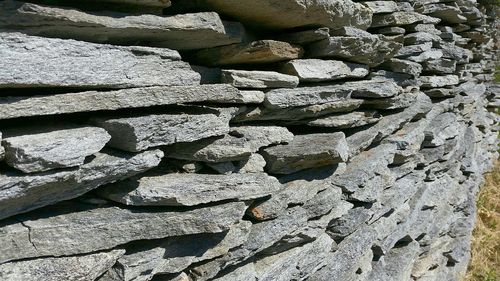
[
  {"x": 240, "y": 143},
  {"x": 14, "y": 107},
  {"x": 38, "y": 152},
  {"x": 343, "y": 121},
  {"x": 305, "y": 37},
  {"x": 189, "y": 189},
  {"x": 380, "y": 7},
  {"x": 23, "y": 193},
  {"x": 30, "y": 61},
  {"x": 71, "y": 228},
  {"x": 438, "y": 81},
  {"x": 139, "y": 133},
  {"x": 258, "y": 79},
  {"x": 403, "y": 66},
  {"x": 401, "y": 18},
  {"x": 179, "y": 32},
  {"x": 315, "y": 70},
  {"x": 257, "y": 52},
  {"x": 85, "y": 267},
  {"x": 269, "y": 13},
  {"x": 306, "y": 151}
]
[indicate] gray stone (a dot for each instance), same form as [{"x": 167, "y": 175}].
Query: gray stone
[
  {"x": 141, "y": 132},
  {"x": 72, "y": 228},
  {"x": 239, "y": 144},
  {"x": 258, "y": 79},
  {"x": 440, "y": 66},
  {"x": 421, "y": 38},
  {"x": 367, "y": 49},
  {"x": 189, "y": 189},
  {"x": 306, "y": 151},
  {"x": 42, "y": 62},
  {"x": 413, "y": 50},
  {"x": 440, "y": 129},
  {"x": 315, "y": 70},
  {"x": 303, "y": 96},
  {"x": 440, "y": 93},
  {"x": 398, "y": 102},
  {"x": 269, "y": 13},
  {"x": 380, "y": 7},
  {"x": 2, "y": 149},
  {"x": 432, "y": 54},
  {"x": 179, "y": 32},
  {"x": 23, "y": 193},
  {"x": 257, "y": 52},
  {"x": 391, "y": 30},
  {"x": 403, "y": 66},
  {"x": 59, "y": 148},
  {"x": 84, "y": 267},
  {"x": 343, "y": 121},
  {"x": 448, "y": 13},
  {"x": 151, "y": 3},
  {"x": 438, "y": 81},
  {"x": 401, "y": 18},
  {"x": 19, "y": 106},
  {"x": 306, "y": 37}
]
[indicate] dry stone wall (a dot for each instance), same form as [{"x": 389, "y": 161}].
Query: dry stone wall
[{"x": 224, "y": 140}]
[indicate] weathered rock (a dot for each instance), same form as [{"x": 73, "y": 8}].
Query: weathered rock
[
  {"x": 258, "y": 79},
  {"x": 85, "y": 267},
  {"x": 438, "y": 81},
  {"x": 447, "y": 13},
  {"x": 239, "y": 144},
  {"x": 71, "y": 228},
  {"x": 442, "y": 128},
  {"x": 180, "y": 32},
  {"x": 306, "y": 151},
  {"x": 380, "y": 7},
  {"x": 30, "y": 61},
  {"x": 432, "y": 54},
  {"x": 413, "y": 50},
  {"x": 440, "y": 66},
  {"x": 366, "y": 48},
  {"x": 263, "y": 51},
  {"x": 343, "y": 121},
  {"x": 23, "y": 193},
  {"x": 18, "y": 106},
  {"x": 269, "y": 13},
  {"x": 401, "y": 18},
  {"x": 307, "y": 36},
  {"x": 403, "y": 66},
  {"x": 303, "y": 96},
  {"x": 139, "y": 133},
  {"x": 315, "y": 70},
  {"x": 189, "y": 189},
  {"x": 254, "y": 164},
  {"x": 398, "y": 102},
  {"x": 42, "y": 151},
  {"x": 2, "y": 149}
]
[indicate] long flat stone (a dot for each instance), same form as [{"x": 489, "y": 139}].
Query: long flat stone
[
  {"x": 303, "y": 96},
  {"x": 239, "y": 144},
  {"x": 179, "y": 32},
  {"x": 43, "y": 151},
  {"x": 401, "y": 18},
  {"x": 287, "y": 14},
  {"x": 84, "y": 267},
  {"x": 141, "y": 132},
  {"x": 306, "y": 151},
  {"x": 89, "y": 101},
  {"x": 257, "y": 52},
  {"x": 30, "y": 61},
  {"x": 23, "y": 193},
  {"x": 342, "y": 121},
  {"x": 190, "y": 189},
  {"x": 315, "y": 70},
  {"x": 258, "y": 79}
]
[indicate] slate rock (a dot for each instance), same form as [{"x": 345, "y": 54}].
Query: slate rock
[
  {"x": 438, "y": 81},
  {"x": 258, "y": 79},
  {"x": 315, "y": 70},
  {"x": 257, "y": 52},
  {"x": 440, "y": 66},
  {"x": 179, "y": 32},
  {"x": 401, "y": 18},
  {"x": 71, "y": 228},
  {"x": 343, "y": 121},
  {"x": 38, "y": 152},
  {"x": 43, "y": 62},
  {"x": 2, "y": 149},
  {"x": 23, "y": 193},
  {"x": 255, "y": 163},
  {"x": 306, "y": 151},
  {"x": 239, "y": 144},
  {"x": 189, "y": 189},
  {"x": 381, "y": 7},
  {"x": 305, "y": 37},
  {"x": 403, "y": 66}
]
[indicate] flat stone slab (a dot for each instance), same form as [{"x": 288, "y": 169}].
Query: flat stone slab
[
  {"x": 438, "y": 81},
  {"x": 190, "y": 189},
  {"x": 258, "y": 79},
  {"x": 303, "y": 96},
  {"x": 38, "y": 152},
  {"x": 381, "y": 7},
  {"x": 306, "y": 151},
  {"x": 179, "y": 32},
  {"x": 141, "y": 132},
  {"x": 70, "y": 228},
  {"x": 270, "y": 13},
  {"x": 401, "y": 18},
  {"x": 305, "y": 37},
  {"x": 257, "y": 52},
  {"x": 30, "y": 61},
  {"x": 23, "y": 193},
  {"x": 315, "y": 70},
  {"x": 343, "y": 121},
  {"x": 89, "y": 101},
  {"x": 84, "y": 267},
  {"x": 238, "y": 145}
]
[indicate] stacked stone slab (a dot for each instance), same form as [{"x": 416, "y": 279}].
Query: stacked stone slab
[{"x": 202, "y": 140}]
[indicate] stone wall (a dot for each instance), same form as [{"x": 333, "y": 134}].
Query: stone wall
[{"x": 199, "y": 140}]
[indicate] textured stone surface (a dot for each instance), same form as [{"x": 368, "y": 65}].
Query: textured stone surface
[
  {"x": 189, "y": 189},
  {"x": 314, "y": 70},
  {"x": 180, "y": 32},
  {"x": 30, "y": 61},
  {"x": 258, "y": 79},
  {"x": 343, "y": 121},
  {"x": 306, "y": 151},
  {"x": 38, "y": 152},
  {"x": 402, "y": 18}
]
